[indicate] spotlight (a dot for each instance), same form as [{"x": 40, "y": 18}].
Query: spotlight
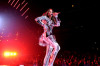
[
  {"x": 7, "y": 54},
  {"x": 0, "y": 22}
]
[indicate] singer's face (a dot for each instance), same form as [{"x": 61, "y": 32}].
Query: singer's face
[{"x": 50, "y": 12}]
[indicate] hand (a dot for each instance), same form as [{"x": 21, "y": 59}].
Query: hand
[{"x": 55, "y": 13}]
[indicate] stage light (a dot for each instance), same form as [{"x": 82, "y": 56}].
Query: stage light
[
  {"x": 25, "y": 11},
  {"x": 12, "y": 2},
  {"x": 16, "y": 3},
  {"x": 23, "y": 7},
  {"x": 26, "y": 17},
  {"x": 21, "y": 65},
  {"x": 14, "y": 53},
  {"x": 9, "y": 1},
  {"x": 2, "y": 19},
  {"x": 11, "y": 53},
  {"x": 72, "y": 5},
  {"x": 18, "y": 6},
  {"x": 0, "y": 22},
  {"x": 23, "y": 2},
  {"x": 6, "y": 54}
]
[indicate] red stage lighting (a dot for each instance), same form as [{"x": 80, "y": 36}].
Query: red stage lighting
[{"x": 8, "y": 54}]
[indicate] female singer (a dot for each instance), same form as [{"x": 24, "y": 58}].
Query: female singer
[{"x": 49, "y": 20}]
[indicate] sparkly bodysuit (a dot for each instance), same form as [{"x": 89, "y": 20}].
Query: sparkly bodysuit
[{"x": 48, "y": 39}]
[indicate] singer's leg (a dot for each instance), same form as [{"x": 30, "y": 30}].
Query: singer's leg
[
  {"x": 52, "y": 44},
  {"x": 47, "y": 56},
  {"x": 55, "y": 51},
  {"x": 54, "y": 54},
  {"x": 42, "y": 42}
]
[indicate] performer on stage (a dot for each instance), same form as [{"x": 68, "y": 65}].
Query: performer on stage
[{"x": 49, "y": 20}]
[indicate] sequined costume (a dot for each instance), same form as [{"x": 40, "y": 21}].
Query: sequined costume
[{"x": 48, "y": 39}]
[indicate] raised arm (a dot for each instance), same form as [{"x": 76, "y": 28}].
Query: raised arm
[{"x": 58, "y": 21}]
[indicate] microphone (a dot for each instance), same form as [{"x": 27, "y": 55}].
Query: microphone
[{"x": 55, "y": 13}]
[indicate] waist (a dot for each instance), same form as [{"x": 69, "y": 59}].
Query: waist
[
  {"x": 49, "y": 34},
  {"x": 46, "y": 34}
]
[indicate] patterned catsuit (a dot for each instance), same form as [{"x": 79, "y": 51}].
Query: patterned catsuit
[{"x": 48, "y": 39}]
